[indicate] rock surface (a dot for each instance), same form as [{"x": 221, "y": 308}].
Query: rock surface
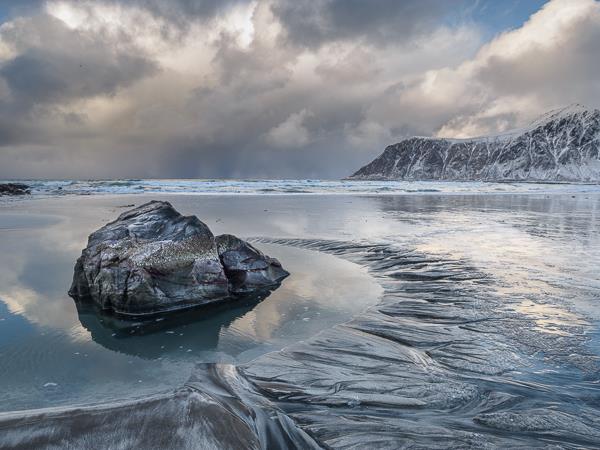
[
  {"x": 562, "y": 145},
  {"x": 246, "y": 267},
  {"x": 152, "y": 260},
  {"x": 14, "y": 189}
]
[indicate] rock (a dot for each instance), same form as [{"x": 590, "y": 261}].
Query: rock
[
  {"x": 14, "y": 189},
  {"x": 561, "y": 146},
  {"x": 246, "y": 267},
  {"x": 153, "y": 260}
]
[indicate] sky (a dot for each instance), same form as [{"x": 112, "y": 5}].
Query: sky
[{"x": 275, "y": 88}]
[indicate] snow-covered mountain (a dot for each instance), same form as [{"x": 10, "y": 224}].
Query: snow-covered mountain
[{"x": 561, "y": 145}]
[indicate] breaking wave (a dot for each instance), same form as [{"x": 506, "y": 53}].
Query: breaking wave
[{"x": 291, "y": 187}]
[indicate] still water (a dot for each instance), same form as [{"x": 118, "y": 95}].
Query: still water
[{"x": 53, "y": 354}]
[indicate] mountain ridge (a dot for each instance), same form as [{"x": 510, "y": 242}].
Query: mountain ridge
[{"x": 562, "y": 145}]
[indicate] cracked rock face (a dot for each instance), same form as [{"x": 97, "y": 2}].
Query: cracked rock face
[
  {"x": 561, "y": 146},
  {"x": 153, "y": 260},
  {"x": 246, "y": 267}
]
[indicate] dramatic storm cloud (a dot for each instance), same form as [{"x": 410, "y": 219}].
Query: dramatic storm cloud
[
  {"x": 313, "y": 22},
  {"x": 274, "y": 88}
]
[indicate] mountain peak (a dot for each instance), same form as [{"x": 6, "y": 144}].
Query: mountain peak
[
  {"x": 563, "y": 112},
  {"x": 561, "y": 145},
  {"x": 572, "y": 111}
]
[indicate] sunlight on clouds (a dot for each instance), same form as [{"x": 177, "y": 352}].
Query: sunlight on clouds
[
  {"x": 218, "y": 94},
  {"x": 545, "y": 29},
  {"x": 239, "y": 23},
  {"x": 498, "y": 117},
  {"x": 186, "y": 50},
  {"x": 72, "y": 16},
  {"x": 7, "y": 51}
]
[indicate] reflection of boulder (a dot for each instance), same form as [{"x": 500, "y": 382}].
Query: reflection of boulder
[
  {"x": 149, "y": 337},
  {"x": 152, "y": 260}
]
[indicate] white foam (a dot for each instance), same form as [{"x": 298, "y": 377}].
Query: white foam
[{"x": 290, "y": 187}]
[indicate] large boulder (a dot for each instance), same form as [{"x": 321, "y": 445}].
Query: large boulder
[{"x": 153, "y": 260}]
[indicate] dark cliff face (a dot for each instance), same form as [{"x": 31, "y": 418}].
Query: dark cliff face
[{"x": 562, "y": 145}]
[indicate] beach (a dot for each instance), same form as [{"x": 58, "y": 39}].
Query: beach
[{"x": 408, "y": 316}]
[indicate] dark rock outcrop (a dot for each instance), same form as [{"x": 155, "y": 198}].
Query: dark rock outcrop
[
  {"x": 246, "y": 267},
  {"x": 14, "y": 189},
  {"x": 152, "y": 260},
  {"x": 561, "y": 146}
]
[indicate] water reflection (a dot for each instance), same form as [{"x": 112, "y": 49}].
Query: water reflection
[
  {"x": 52, "y": 353},
  {"x": 149, "y": 338},
  {"x": 550, "y": 318},
  {"x": 320, "y": 292}
]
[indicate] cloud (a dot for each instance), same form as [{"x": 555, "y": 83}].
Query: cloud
[
  {"x": 314, "y": 22},
  {"x": 47, "y": 65},
  {"x": 366, "y": 133},
  {"x": 291, "y": 133},
  {"x": 182, "y": 11},
  {"x": 111, "y": 88},
  {"x": 219, "y": 96},
  {"x": 41, "y": 76},
  {"x": 551, "y": 61}
]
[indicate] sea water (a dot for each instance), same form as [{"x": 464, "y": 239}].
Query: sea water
[{"x": 498, "y": 292}]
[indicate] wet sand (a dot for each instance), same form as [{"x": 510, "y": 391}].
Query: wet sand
[{"x": 485, "y": 336}]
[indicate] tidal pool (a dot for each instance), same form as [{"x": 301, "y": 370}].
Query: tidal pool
[{"x": 53, "y": 354}]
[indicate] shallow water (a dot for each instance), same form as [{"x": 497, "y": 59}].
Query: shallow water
[
  {"x": 53, "y": 354},
  {"x": 486, "y": 333}
]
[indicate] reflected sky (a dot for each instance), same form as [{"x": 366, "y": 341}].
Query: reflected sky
[{"x": 51, "y": 353}]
